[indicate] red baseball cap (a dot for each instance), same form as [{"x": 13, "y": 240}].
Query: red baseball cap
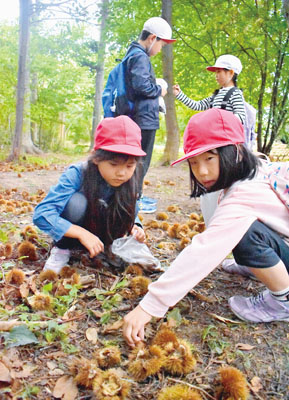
[
  {"x": 119, "y": 135},
  {"x": 209, "y": 130}
]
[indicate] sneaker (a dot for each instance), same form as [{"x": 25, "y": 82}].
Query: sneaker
[
  {"x": 260, "y": 308},
  {"x": 148, "y": 200},
  {"x": 57, "y": 260},
  {"x": 229, "y": 265},
  {"x": 146, "y": 208}
]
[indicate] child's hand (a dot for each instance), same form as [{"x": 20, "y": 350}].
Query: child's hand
[
  {"x": 133, "y": 325},
  {"x": 176, "y": 90},
  {"x": 138, "y": 233},
  {"x": 93, "y": 244}
]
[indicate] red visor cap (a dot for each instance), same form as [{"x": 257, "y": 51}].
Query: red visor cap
[
  {"x": 119, "y": 135},
  {"x": 209, "y": 130}
]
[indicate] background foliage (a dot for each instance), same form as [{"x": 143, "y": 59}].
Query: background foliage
[{"x": 62, "y": 57}]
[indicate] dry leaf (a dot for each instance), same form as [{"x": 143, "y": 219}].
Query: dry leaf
[
  {"x": 256, "y": 384},
  {"x": 97, "y": 314},
  {"x": 92, "y": 335},
  {"x": 7, "y": 325},
  {"x": 24, "y": 290},
  {"x": 201, "y": 296},
  {"x": 25, "y": 373},
  {"x": 244, "y": 346},
  {"x": 4, "y": 373},
  {"x": 113, "y": 327},
  {"x": 51, "y": 365},
  {"x": 65, "y": 388},
  {"x": 226, "y": 320}
]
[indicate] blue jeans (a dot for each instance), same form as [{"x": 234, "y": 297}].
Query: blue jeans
[
  {"x": 73, "y": 212},
  {"x": 261, "y": 247}
]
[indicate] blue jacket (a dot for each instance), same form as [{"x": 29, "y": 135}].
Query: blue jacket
[
  {"x": 142, "y": 88},
  {"x": 47, "y": 214}
]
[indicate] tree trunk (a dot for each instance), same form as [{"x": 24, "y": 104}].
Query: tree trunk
[
  {"x": 99, "y": 72},
  {"x": 22, "y": 135},
  {"x": 24, "y": 22},
  {"x": 286, "y": 10},
  {"x": 173, "y": 137}
]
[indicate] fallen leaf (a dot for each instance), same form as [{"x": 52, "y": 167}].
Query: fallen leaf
[
  {"x": 113, "y": 327},
  {"x": 56, "y": 372},
  {"x": 65, "y": 388},
  {"x": 256, "y": 384},
  {"x": 7, "y": 325},
  {"x": 4, "y": 373},
  {"x": 244, "y": 346},
  {"x": 97, "y": 314},
  {"x": 226, "y": 320},
  {"x": 24, "y": 290},
  {"x": 201, "y": 296},
  {"x": 24, "y": 373},
  {"x": 92, "y": 335}
]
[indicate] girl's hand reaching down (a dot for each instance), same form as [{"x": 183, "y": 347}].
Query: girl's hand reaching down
[
  {"x": 138, "y": 233},
  {"x": 133, "y": 325}
]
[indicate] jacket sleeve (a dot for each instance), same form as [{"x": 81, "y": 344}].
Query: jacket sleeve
[
  {"x": 47, "y": 214},
  {"x": 202, "y": 256},
  {"x": 140, "y": 77}
]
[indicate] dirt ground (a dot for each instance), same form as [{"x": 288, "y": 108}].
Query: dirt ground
[{"x": 203, "y": 317}]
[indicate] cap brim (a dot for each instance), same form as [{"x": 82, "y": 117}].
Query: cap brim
[
  {"x": 168, "y": 40},
  {"x": 199, "y": 151},
  {"x": 125, "y": 149},
  {"x": 213, "y": 69}
]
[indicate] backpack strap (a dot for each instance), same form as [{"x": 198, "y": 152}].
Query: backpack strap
[{"x": 227, "y": 97}]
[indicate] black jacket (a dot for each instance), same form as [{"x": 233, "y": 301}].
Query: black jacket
[{"x": 142, "y": 88}]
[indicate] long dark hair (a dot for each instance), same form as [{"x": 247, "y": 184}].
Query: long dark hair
[
  {"x": 237, "y": 163},
  {"x": 115, "y": 218}
]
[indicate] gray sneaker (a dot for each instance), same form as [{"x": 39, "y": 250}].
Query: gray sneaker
[
  {"x": 57, "y": 260},
  {"x": 260, "y": 308},
  {"x": 229, "y": 265}
]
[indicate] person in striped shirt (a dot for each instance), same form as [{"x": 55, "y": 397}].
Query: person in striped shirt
[{"x": 227, "y": 69}]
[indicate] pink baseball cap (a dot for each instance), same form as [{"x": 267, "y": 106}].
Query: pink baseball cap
[
  {"x": 209, "y": 130},
  {"x": 119, "y": 135}
]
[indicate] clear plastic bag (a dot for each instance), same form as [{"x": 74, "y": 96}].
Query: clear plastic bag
[{"x": 132, "y": 251}]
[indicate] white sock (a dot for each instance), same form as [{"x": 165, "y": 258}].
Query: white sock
[{"x": 281, "y": 295}]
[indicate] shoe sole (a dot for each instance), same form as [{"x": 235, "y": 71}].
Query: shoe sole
[{"x": 147, "y": 212}]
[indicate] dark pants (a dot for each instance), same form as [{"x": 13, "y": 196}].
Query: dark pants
[
  {"x": 261, "y": 247},
  {"x": 73, "y": 212},
  {"x": 147, "y": 144}
]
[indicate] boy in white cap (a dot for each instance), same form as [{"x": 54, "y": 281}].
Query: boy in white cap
[
  {"x": 143, "y": 90},
  {"x": 227, "y": 68}
]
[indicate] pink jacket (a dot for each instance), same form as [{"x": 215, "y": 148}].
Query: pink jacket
[{"x": 242, "y": 204}]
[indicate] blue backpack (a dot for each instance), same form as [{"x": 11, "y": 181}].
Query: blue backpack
[{"x": 114, "y": 96}]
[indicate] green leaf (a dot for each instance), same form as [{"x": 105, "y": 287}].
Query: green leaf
[
  {"x": 19, "y": 336},
  {"x": 105, "y": 318},
  {"x": 175, "y": 315}
]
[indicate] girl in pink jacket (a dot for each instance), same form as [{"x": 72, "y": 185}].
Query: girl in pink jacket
[{"x": 251, "y": 220}]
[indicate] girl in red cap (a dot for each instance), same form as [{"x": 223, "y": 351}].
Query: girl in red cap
[
  {"x": 251, "y": 220},
  {"x": 95, "y": 202}
]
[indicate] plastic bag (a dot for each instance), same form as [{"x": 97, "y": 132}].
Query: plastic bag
[{"x": 132, "y": 251}]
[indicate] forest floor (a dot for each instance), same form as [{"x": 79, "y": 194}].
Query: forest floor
[{"x": 51, "y": 353}]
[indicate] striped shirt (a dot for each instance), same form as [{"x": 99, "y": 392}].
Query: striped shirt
[{"x": 234, "y": 104}]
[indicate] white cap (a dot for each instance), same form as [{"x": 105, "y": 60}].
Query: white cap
[
  {"x": 227, "y": 61},
  {"x": 159, "y": 27}
]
